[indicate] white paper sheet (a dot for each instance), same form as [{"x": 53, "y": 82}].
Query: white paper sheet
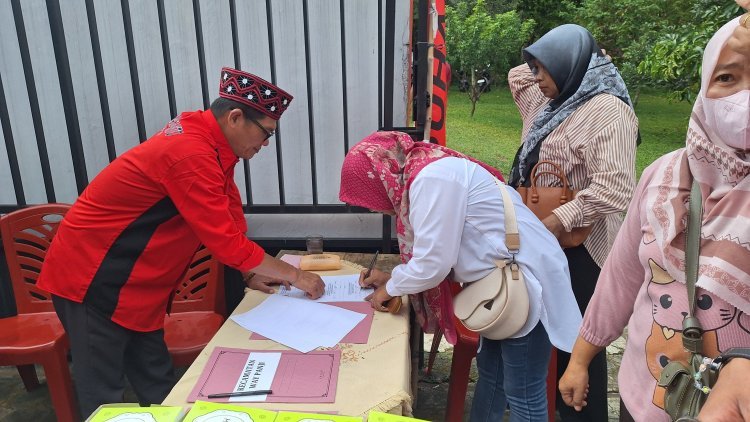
[
  {"x": 299, "y": 323},
  {"x": 339, "y": 288},
  {"x": 258, "y": 374}
]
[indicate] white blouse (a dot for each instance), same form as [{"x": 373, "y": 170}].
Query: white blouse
[{"x": 457, "y": 215}]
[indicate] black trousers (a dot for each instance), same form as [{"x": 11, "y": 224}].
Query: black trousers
[
  {"x": 624, "y": 414},
  {"x": 583, "y": 275},
  {"x": 104, "y": 353}
]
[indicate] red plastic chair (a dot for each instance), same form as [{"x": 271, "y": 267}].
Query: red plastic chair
[
  {"x": 198, "y": 309},
  {"x": 464, "y": 352},
  {"x": 35, "y": 335}
]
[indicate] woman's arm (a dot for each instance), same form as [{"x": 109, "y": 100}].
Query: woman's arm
[
  {"x": 621, "y": 277},
  {"x": 574, "y": 383},
  {"x": 612, "y": 303},
  {"x": 609, "y": 158},
  {"x": 437, "y": 214},
  {"x": 526, "y": 93}
]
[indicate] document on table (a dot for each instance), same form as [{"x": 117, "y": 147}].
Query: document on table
[
  {"x": 292, "y": 377},
  {"x": 339, "y": 288},
  {"x": 359, "y": 334},
  {"x": 299, "y": 323}
]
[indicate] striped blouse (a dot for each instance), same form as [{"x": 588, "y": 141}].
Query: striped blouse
[{"x": 595, "y": 146}]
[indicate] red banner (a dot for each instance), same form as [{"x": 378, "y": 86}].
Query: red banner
[{"x": 441, "y": 76}]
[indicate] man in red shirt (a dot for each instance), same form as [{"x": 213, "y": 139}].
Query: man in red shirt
[{"x": 128, "y": 239}]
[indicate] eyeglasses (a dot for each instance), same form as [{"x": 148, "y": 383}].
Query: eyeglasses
[{"x": 268, "y": 134}]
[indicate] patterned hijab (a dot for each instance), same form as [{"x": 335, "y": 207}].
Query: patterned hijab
[
  {"x": 580, "y": 71},
  {"x": 725, "y": 188},
  {"x": 377, "y": 174}
]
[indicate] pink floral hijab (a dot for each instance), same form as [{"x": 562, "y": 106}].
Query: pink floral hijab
[
  {"x": 725, "y": 187},
  {"x": 377, "y": 174}
]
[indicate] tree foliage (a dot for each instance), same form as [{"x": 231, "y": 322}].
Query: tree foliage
[
  {"x": 675, "y": 60},
  {"x": 628, "y": 29},
  {"x": 480, "y": 41},
  {"x": 546, "y": 13},
  {"x": 653, "y": 42}
]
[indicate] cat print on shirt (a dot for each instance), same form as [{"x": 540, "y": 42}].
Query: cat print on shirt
[
  {"x": 737, "y": 333},
  {"x": 744, "y": 322},
  {"x": 669, "y": 307}
]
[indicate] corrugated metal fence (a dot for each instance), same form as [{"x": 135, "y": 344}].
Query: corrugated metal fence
[{"x": 81, "y": 81}]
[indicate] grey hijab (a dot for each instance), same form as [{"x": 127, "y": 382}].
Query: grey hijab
[{"x": 580, "y": 71}]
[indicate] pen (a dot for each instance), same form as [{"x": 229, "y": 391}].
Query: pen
[
  {"x": 239, "y": 394},
  {"x": 393, "y": 304},
  {"x": 372, "y": 264}
]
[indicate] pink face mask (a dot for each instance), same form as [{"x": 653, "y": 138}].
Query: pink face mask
[{"x": 729, "y": 118}]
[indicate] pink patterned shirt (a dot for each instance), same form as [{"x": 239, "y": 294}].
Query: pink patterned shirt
[{"x": 636, "y": 290}]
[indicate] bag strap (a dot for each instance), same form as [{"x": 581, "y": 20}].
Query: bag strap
[
  {"x": 692, "y": 331},
  {"x": 693, "y": 246},
  {"x": 559, "y": 173},
  {"x": 512, "y": 238}
]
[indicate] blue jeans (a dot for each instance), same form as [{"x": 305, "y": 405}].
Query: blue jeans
[{"x": 513, "y": 371}]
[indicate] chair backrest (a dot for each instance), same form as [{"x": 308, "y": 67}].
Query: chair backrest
[
  {"x": 26, "y": 235},
  {"x": 202, "y": 286}
]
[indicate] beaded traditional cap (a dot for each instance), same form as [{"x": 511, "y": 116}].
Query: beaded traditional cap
[{"x": 253, "y": 91}]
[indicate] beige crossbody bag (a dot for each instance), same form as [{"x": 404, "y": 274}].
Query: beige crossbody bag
[{"x": 497, "y": 305}]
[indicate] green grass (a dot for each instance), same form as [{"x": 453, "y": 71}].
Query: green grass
[
  {"x": 493, "y": 134},
  {"x": 663, "y": 124}
]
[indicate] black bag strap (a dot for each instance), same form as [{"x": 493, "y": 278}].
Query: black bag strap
[{"x": 692, "y": 332}]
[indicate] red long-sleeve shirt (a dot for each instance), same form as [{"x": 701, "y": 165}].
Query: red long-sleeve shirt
[{"x": 131, "y": 234}]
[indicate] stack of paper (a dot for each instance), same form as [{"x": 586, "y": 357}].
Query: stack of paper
[
  {"x": 360, "y": 334},
  {"x": 300, "y": 324}
]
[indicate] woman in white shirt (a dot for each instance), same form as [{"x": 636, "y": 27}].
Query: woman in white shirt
[{"x": 450, "y": 226}]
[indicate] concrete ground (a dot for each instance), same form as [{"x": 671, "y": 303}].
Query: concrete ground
[{"x": 17, "y": 405}]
